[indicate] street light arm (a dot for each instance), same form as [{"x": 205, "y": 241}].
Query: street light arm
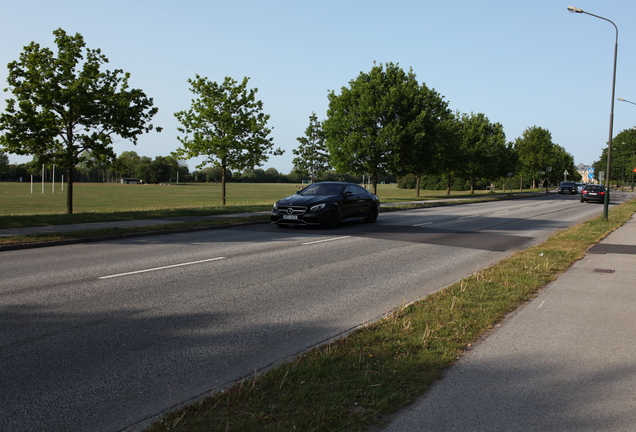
[
  {"x": 625, "y": 100},
  {"x": 578, "y": 10}
]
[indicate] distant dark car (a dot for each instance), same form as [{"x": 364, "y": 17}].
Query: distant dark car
[
  {"x": 568, "y": 187},
  {"x": 593, "y": 193},
  {"x": 326, "y": 204}
]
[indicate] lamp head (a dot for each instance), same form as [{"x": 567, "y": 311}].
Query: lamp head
[
  {"x": 621, "y": 99},
  {"x": 575, "y": 9}
]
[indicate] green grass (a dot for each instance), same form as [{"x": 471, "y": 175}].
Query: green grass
[
  {"x": 100, "y": 202},
  {"x": 349, "y": 384},
  {"x": 97, "y": 202},
  {"x": 17, "y": 198}
]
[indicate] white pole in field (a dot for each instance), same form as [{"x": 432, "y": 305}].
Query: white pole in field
[
  {"x": 53, "y": 180},
  {"x": 42, "y": 178}
]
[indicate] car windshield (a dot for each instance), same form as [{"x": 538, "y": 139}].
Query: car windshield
[
  {"x": 595, "y": 188},
  {"x": 322, "y": 189}
]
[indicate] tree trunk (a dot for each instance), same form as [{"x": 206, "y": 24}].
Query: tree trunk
[
  {"x": 223, "y": 169},
  {"x": 448, "y": 185},
  {"x": 472, "y": 185},
  {"x": 69, "y": 191},
  {"x": 374, "y": 179},
  {"x": 417, "y": 186}
]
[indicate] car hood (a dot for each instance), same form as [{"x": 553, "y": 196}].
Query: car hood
[{"x": 306, "y": 200}]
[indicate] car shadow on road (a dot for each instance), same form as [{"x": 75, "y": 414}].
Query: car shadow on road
[{"x": 474, "y": 239}]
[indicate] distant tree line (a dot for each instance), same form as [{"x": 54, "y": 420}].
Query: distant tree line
[{"x": 161, "y": 169}]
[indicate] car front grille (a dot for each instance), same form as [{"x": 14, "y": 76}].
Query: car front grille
[{"x": 292, "y": 210}]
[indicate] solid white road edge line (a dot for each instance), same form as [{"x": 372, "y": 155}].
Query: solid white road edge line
[{"x": 160, "y": 268}]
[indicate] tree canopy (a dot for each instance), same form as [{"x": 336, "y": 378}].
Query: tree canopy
[
  {"x": 4, "y": 163},
  {"x": 65, "y": 107},
  {"x": 534, "y": 148},
  {"x": 623, "y": 157},
  {"x": 376, "y": 124},
  {"x": 312, "y": 154},
  {"x": 226, "y": 126},
  {"x": 484, "y": 146}
]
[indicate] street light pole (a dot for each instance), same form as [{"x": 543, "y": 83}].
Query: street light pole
[{"x": 611, "y": 122}]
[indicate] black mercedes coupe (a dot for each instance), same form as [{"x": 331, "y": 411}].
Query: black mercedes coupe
[{"x": 326, "y": 204}]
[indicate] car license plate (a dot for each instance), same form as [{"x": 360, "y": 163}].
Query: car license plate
[
  {"x": 592, "y": 193},
  {"x": 294, "y": 217}
]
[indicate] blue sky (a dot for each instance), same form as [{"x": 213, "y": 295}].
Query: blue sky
[{"x": 521, "y": 63}]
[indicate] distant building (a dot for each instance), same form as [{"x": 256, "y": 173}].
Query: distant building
[{"x": 129, "y": 181}]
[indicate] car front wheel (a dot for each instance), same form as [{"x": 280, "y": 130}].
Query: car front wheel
[
  {"x": 372, "y": 215},
  {"x": 333, "y": 218}
]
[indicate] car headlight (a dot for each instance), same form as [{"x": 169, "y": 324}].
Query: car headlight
[
  {"x": 275, "y": 206},
  {"x": 317, "y": 207}
]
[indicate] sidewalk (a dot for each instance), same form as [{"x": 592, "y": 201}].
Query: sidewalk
[{"x": 566, "y": 361}]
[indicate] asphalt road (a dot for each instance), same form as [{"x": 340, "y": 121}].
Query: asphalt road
[{"x": 105, "y": 336}]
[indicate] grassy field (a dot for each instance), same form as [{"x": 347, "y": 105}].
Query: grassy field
[
  {"x": 17, "y": 198},
  {"x": 95, "y": 202}
]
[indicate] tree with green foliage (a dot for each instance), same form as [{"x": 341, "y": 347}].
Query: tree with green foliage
[
  {"x": 430, "y": 139},
  {"x": 160, "y": 170},
  {"x": 562, "y": 161},
  {"x": 313, "y": 156},
  {"x": 226, "y": 126},
  {"x": 66, "y": 106},
  {"x": 446, "y": 158},
  {"x": 128, "y": 164},
  {"x": 483, "y": 145},
  {"x": 534, "y": 149},
  {"x": 4, "y": 164},
  {"x": 623, "y": 156},
  {"x": 372, "y": 125}
]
